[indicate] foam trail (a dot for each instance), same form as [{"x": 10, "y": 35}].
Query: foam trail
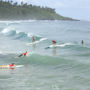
[
  {"x": 42, "y": 39},
  {"x": 59, "y": 45},
  {"x": 19, "y": 66}
]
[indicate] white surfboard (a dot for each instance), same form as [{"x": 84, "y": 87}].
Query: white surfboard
[{"x": 17, "y": 66}]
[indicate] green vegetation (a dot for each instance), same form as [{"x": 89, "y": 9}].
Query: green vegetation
[{"x": 13, "y": 11}]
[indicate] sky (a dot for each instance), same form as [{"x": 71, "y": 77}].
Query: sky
[{"x": 76, "y": 9}]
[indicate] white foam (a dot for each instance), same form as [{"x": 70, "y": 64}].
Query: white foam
[
  {"x": 19, "y": 65},
  {"x": 17, "y": 32},
  {"x": 42, "y": 39},
  {"x": 60, "y": 45},
  {"x": 6, "y": 30},
  {"x": 29, "y": 35}
]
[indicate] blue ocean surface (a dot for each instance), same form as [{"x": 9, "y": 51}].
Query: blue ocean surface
[{"x": 65, "y": 66}]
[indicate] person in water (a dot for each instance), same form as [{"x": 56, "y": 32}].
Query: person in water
[
  {"x": 24, "y": 54},
  {"x": 54, "y": 42},
  {"x": 82, "y": 42},
  {"x": 54, "y": 48},
  {"x": 12, "y": 65},
  {"x": 33, "y": 39}
]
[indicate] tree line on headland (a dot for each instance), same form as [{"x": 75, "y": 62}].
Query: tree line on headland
[{"x": 14, "y": 11}]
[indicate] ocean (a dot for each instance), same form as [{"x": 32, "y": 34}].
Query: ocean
[{"x": 63, "y": 67}]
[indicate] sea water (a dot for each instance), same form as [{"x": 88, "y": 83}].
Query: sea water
[{"x": 64, "y": 67}]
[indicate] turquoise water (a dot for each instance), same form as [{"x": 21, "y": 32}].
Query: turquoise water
[{"x": 65, "y": 67}]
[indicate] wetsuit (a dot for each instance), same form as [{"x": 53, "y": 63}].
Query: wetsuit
[
  {"x": 11, "y": 65},
  {"x": 25, "y": 54}
]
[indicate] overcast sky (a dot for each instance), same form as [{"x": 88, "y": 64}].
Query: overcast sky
[{"x": 77, "y": 9}]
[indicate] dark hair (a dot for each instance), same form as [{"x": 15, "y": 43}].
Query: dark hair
[{"x": 53, "y": 41}]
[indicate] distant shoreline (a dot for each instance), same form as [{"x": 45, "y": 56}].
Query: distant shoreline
[
  {"x": 13, "y": 11},
  {"x": 37, "y": 20}
]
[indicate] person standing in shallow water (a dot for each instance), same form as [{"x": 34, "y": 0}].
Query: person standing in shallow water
[
  {"x": 33, "y": 39},
  {"x": 54, "y": 48},
  {"x": 82, "y": 42},
  {"x": 54, "y": 42}
]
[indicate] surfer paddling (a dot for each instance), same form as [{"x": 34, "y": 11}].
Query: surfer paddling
[
  {"x": 8, "y": 66},
  {"x": 23, "y": 54}
]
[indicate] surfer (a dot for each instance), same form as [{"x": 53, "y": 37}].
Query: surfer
[
  {"x": 12, "y": 65},
  {"x": 33, "y": 39},
  {"x": 54, "y": 48},
  {"x": 23, "y": 54},
  {"x": 54, "y": 42},
  {"x": 82, "y": 42}
]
